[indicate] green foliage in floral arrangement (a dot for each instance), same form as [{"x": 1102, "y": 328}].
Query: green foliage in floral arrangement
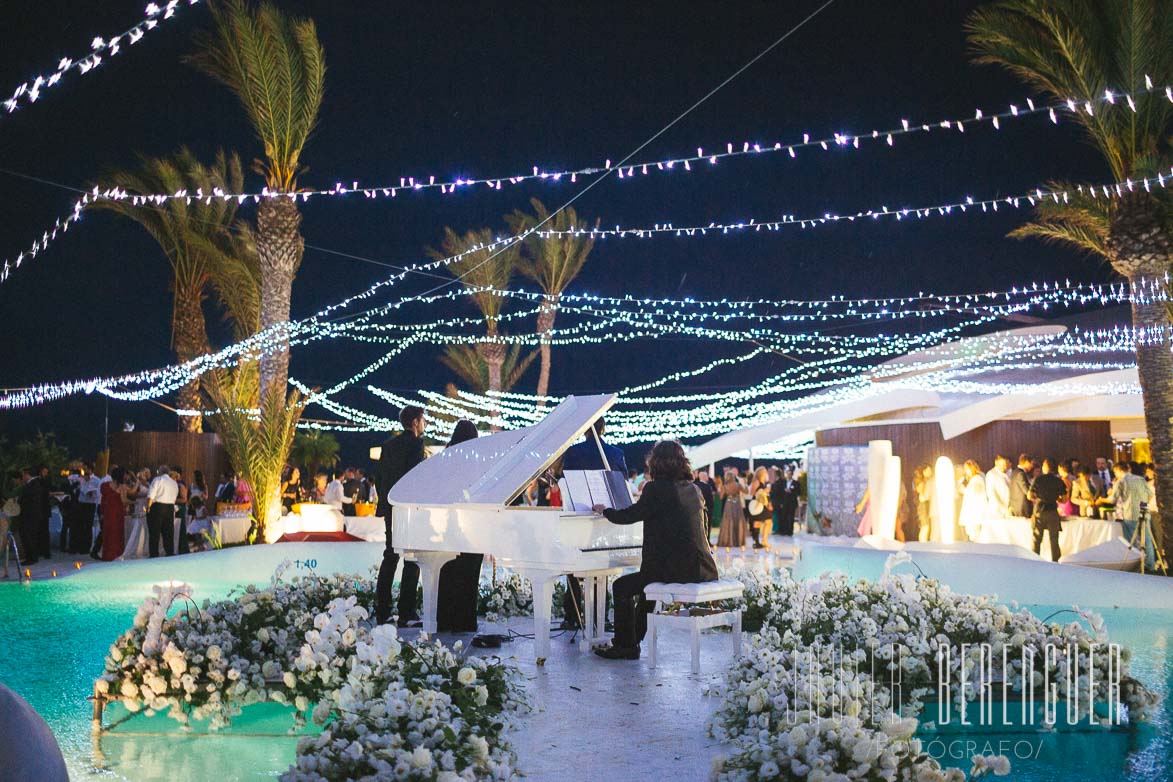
[
  {"x": 387, "y": 708},
  {"x": 783, "y": 728},
  {"x": 512, "y": 596}
]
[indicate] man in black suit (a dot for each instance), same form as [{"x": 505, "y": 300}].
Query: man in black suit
[
  {"x": 1020, "y": 478},
  {"x": 34, "y": 507},
  {"x": 585, "y": 455},
  {"x": 27, "y": 525},
  {"x": 400, "y": 454},
  {"x": 1047, "y": 491},
  {"x": 784, "y": 497},
  {"x": 352, "y": 487}
]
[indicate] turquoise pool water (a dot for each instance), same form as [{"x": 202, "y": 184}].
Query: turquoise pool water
[{"x": 54, "y": 636}]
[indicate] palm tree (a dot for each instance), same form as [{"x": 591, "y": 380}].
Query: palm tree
[
  {"x": 314, "y": 449},
  {"x": 483, "y": 278},
  {"x": 258, "y": 442},
  {"x": 466, "y": 362},
  {"x": 1079, "y": 49},
  {"x": 552, "y": 263},
  {"x": 276, "y": 67},
  {"x": 193, "y": 236}
]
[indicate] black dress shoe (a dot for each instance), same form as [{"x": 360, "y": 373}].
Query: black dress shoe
[{"x": 618, "y": 652}]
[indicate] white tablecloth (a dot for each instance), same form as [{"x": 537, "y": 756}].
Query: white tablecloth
[
  {"x": 369, "y": 528},
  {"x": 231, "y": 529},
  {"x": 136, "y": 538},
  {"x": 1076, "y": 534}
]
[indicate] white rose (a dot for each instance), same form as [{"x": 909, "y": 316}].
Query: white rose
[
  {"x": 289, "y": 679},
  {"x": 466, "y": 676},
  {"x": 421, "y": 757}
]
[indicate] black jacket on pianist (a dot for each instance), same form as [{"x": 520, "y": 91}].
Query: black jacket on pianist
[{"x": 675, "y": 549}]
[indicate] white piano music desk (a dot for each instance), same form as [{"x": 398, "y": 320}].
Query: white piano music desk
[{"x": 458, "y": 501}]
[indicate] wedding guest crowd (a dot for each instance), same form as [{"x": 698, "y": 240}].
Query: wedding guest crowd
[
  {"x": 1044, "y": 490},
  {"x": 749, "y": 510}
]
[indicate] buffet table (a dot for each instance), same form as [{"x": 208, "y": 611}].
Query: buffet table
[{"x": 1077, "y": 533}]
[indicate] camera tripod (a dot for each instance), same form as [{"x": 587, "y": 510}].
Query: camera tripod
[{"x": 1142, "y": 538}]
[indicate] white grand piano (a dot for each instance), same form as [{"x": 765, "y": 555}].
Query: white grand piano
[{"x": 459, "y": 501}]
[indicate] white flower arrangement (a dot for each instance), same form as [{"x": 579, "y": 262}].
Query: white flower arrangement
[
  {"x": 511, "y": 595},
  {"x": 389, "y": 709},
  {"x": 793, "y": 714}
]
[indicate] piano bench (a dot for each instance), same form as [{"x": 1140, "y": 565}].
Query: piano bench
[{"x": 693, "y": 620}]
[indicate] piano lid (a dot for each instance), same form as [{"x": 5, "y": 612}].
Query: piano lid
[{"x": 496, "y": 468}]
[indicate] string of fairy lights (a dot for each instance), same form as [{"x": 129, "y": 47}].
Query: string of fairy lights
[
  {"x": 101, "y": 49},
  {"x": 411, "y": 184},
  {"x": 62, "y": 224},
  {"x": 832, "y": 367},
  {"x": 600, "y": 322}
]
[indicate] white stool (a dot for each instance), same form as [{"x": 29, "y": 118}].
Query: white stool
[{"x": 703, "y": 592}]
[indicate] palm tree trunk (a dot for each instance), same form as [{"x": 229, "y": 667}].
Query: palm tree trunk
[
  {"x": 1142, "y": 251},
  {"x": 279, "y": 248},
  {"x": 493, "y": 354},
  {"x": 545, "y": 324},
  {"x": 1154, "y": 364},
  {"x": 189, "y": 335}
]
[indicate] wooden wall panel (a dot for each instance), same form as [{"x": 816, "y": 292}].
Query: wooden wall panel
[
  {"x": 189, "y": 450},
  {"x": 918, "y": 444}
]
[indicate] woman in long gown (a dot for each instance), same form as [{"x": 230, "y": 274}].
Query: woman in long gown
[
  {"x": 733, "y": 522},
  {"x": 113, "y": 510},
  {"x": 974, "y": 506},
  {"x": 460, "y": 578}
]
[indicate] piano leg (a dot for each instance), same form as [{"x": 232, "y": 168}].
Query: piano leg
[
  {"x": 430, "y": 563},
  {"x": 589, "y": 629},
  {"x": 543, "y": 586}
]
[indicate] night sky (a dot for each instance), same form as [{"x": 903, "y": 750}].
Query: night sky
[{"x": 490, "y": 89}]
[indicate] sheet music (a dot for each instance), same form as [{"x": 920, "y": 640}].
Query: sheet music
[
  {"x": 596, "y": 482},
  {"x": 583, "y": 489}
]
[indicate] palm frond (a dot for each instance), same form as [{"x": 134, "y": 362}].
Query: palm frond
[
  {"x": 553, "y": 262},
  {"x": 1083, "y": 224},
  {"x": 476, "y": 271},
  {"x": 277, "y": 69},
  {"x": 258, "y": 442},
  {"x": 1077, "y": 49},
  {"x": 468, "y": 365}
]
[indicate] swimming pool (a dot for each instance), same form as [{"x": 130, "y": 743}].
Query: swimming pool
[{"x": 54, "y": 636}]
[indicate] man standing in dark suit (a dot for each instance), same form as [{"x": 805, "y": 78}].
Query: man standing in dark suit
[
  {"x": 352, "y": 488},
  {"x": 586, "y": 456},
  {"x": 34, "y": 511},
  {"x": 400, "y": 454},
  {"x": 1020, "y": 504},
  {"x": 784, "y": 497},
  {"x": 1047, "y": 491}
]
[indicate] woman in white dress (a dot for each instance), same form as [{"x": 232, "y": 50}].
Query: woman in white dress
[{"x": 974, "y": 507}]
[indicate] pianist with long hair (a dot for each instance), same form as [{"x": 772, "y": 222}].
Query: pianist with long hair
[{"x": 675, "y": 548}]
